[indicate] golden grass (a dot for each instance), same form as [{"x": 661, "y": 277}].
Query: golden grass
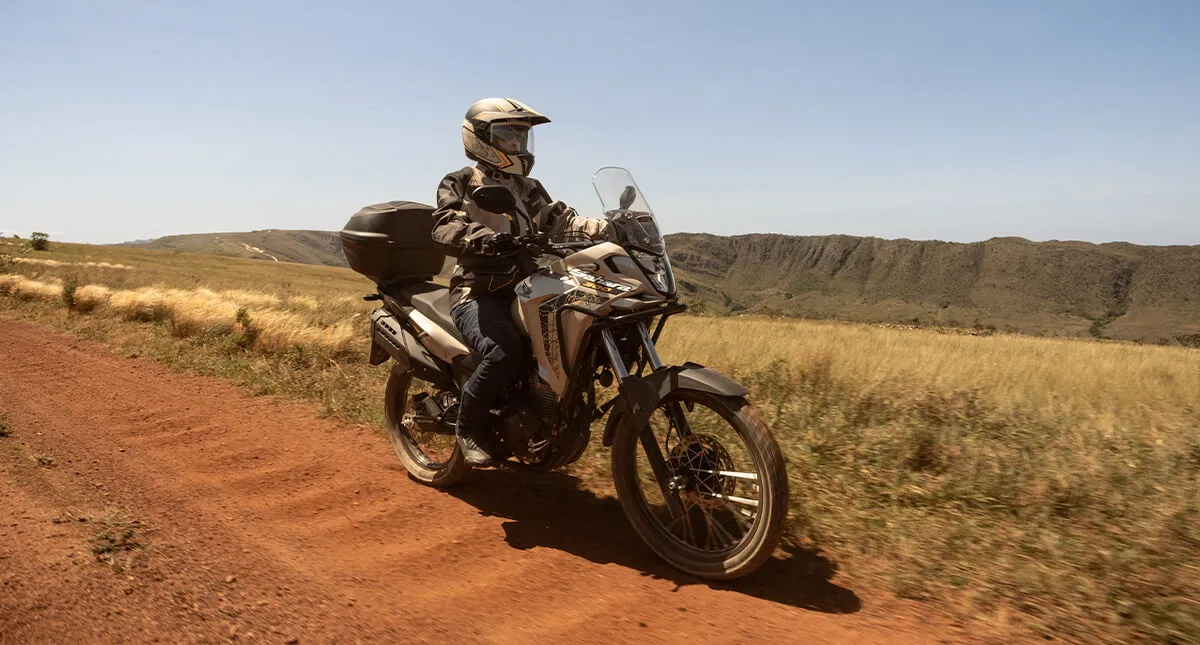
[
  {"x": 204, "y": 311},
  {"x": 36, "y": 290},
  {"x": 252, "y": 298},
  {"x": 146, "y": 304},
  {"x": 56, "y": 263},
  {"x": 91, "y": 297},
  {"x": 303, "y": 302},
  {"x": 1084, "y": 379},
  {"x": 279, "y": 332},
  {"x": 200, "y": 312},
  {"x": 8, "y": 281}
]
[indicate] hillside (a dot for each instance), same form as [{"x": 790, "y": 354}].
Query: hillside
[
  {"x": 306, "y": 247},
  {"x": 1116, "y": 290}
]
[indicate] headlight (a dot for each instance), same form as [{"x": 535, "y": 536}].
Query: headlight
[{"x": 658, "y": 269}]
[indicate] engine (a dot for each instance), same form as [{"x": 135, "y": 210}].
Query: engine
[{"x": 522, "y": 428}]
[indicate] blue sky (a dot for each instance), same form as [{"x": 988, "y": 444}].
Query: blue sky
[{"x": 954, "y": 120}]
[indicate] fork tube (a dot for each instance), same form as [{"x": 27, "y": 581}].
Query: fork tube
[
  {"x": 648, "y": 343},
  {"x": 614, "y": 355}
]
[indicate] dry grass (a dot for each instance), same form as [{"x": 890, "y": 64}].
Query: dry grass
[
  {"x": 279, "y": 332},
  {"x": 304, "y": 302},
  {"x": 200, "y": 312},
  {"x": 1052, "y": 484},
  {"x": 1104, "y": 382},
  {"x": 246, "y": 298},
  {"x": 146, "y": 304},
  {"x": 90, "y": 297},
  {"x": 26, "y": 289},
  {"x": 1048, "y": 485},
  {"x": 204, "y": 311},
  {"x": 8, "y": 282},
  {"x": 56, "y": 263}
]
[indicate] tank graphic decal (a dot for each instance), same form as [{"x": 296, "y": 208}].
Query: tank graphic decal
[
  {"x": 597, "y": 283},
  {"x": 549, "y": 325}
]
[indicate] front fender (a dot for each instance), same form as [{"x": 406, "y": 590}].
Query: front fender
[{"x": 640, "y": 395}]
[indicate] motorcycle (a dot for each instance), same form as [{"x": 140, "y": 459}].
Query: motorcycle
[{"x": 697, "y": 472}]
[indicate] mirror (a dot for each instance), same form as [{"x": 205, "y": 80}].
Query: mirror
[
  {"x": 496, "y": 199},
  {"x": 627, "y": 197}
]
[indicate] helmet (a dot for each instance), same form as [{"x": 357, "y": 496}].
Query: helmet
[{"x": 498, "y": 132}]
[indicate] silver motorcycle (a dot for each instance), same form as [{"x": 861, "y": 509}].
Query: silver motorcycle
[{"x": 697, "y": 471}]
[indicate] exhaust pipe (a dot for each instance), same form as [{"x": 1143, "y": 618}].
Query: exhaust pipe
[{"x": 388, "y": 334}]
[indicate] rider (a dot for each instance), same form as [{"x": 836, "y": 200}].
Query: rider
[{"x": 497, "y": 135}]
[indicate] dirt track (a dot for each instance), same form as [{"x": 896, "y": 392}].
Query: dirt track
[{"x": 263, "y": 522}]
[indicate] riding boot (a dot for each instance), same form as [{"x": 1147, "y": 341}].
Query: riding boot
[{"x": 475, "y": 435}]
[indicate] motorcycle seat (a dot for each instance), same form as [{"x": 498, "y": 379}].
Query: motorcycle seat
[{"x": 431, "y": 299}]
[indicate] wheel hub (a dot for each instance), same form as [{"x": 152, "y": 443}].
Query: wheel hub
[{"x": 696, "y": 464}]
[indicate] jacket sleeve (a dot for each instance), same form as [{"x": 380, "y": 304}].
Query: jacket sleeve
[
  {"x": 453, "y": 230},
  {"x": 594, "y": 228}
]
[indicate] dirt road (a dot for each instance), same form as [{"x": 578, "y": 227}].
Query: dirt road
[{"x": 258, "y": 520}]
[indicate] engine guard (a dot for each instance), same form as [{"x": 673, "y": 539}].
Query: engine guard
[{"x": 640, "y": 395}]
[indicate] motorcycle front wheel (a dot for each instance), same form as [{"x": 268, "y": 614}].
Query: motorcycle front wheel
[
  {"x": 703, "y": 484},
  {"x": 431, "y": 458}
]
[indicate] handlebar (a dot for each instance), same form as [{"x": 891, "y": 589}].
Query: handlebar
[{"x": 538, "y": 243}]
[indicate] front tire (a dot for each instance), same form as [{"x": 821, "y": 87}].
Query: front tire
[
  {"x": 730, "y": 496},
  {"x": 442, "y": 469}
]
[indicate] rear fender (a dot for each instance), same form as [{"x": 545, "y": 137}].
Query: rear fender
[{"x": 640, "y": 396}]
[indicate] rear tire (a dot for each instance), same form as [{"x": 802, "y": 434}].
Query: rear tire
[
  {"x": 439, "y": 474},
  {"x": 758, "y": 540}
]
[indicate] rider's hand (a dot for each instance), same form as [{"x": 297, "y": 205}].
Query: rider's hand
[
  {"x": 614, "y": 233},
  {"x": 485, "y": 245},
  {"x": 504, "y": 244},
  {"x": 549, "y": 215}
]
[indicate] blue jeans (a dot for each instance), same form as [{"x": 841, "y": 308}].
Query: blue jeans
[{"x": 486, "y": 325}]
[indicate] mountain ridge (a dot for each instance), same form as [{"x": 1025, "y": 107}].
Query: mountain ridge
[{"x": 1056, "y": 287}]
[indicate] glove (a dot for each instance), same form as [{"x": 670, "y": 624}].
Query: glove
[
  {"x": 493, "y": 245},
  {"x": 505, "y": 244},
  {"x": 615, "y": 233},
  {"x": 549, "y": 215}
]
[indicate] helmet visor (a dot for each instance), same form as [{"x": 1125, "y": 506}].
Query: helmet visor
[{"x": 512, "y": 138}]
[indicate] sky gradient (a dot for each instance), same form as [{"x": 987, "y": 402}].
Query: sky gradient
[{"x": 952, "y": 120}]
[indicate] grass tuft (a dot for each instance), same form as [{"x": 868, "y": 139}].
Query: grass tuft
[{"x": 91, "y": 297}]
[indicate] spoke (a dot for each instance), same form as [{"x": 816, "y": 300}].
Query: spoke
[
  {"x": 708, "y": 530},
  {"x": 728, "y": 473},
  {"x": 740, "y": 515},
  {"x": 714, "y": 522},
  {"x": 731, "y": 498},
  {"x": 684, "y": 520}
]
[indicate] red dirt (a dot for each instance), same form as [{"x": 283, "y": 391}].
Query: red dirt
[{"x": 264, "y": 522}]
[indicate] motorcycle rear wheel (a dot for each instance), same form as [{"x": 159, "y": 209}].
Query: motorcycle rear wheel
[
  {"x": 438, "y": 465},
  {"x": 726, "y": 476}
]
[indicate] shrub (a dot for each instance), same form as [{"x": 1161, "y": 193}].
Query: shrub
[
  {"x": 40, "y": 241},
  {"x": 70, "y": 284}
]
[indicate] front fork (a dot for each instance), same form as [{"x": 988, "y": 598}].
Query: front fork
[{"x": 669, "y": 482}]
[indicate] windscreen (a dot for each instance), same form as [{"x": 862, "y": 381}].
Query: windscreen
[{"x": 626, "y": 208}]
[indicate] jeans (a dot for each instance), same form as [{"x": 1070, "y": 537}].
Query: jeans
[{"x": 486, "y": 325}]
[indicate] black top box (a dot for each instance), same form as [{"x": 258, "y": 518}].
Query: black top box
[{"x": 391, "y": 243}]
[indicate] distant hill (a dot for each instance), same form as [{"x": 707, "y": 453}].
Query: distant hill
[
  {"x": 1116, "y": 290},
  {"x": 306, "y": 247}
]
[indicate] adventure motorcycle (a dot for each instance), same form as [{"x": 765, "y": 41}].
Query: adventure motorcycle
[{"x": 697, "y": 471}]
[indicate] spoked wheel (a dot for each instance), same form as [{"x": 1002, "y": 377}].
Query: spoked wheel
[
  {"x": 703, "y": 484},
  {"x": 431, "y": 458}
]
